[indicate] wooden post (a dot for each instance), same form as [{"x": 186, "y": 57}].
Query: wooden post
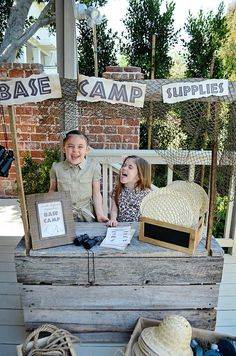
[
  {"x": 215, "y": 114},
  {"x": 20, "y": 187},
  {"x": 153, "y": 55},
  {"x": 95, "y": 52},
  {"x": 150, "y": 120},
  {"x": 205, "y": 136}
]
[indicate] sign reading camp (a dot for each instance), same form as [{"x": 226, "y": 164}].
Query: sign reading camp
[
  {"x": 99, "y": 89},
  {"x": 181, "y": 91},
  {"x": 32, "y": 89}
]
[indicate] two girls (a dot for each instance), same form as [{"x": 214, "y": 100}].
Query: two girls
[{"x": 81, "y": 176}]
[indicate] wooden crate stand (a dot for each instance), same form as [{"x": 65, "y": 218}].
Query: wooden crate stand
[
  {"x": 171, "y": 236},
  {"x": 145, "y": 281}
]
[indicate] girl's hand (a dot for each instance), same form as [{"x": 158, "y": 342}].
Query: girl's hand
[
  {"x": 102, "y": 218},
  {"x": 112, "y": 223}
]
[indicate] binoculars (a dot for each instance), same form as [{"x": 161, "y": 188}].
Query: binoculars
[{"x": 86, "y": 241}]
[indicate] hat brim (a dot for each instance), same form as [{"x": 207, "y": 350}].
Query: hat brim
[{"x": 162, "y": 345}]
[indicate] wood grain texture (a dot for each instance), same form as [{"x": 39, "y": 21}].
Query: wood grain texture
[
  {"x": 120, "y": 297},
  {"x": 139, "y": 248},
  {"x": 144, "y": 280},
  {"x": 119, "y": 270},
  {"x": 111, "y": 321}
]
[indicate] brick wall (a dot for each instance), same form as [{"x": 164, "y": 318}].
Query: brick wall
[{"x": 38, "y": 125}]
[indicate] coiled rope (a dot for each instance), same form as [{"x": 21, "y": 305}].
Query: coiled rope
[{"x": 58, "y": 342}]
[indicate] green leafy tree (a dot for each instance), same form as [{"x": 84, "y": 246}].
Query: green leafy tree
[
  {"x": 105, "y": 47},
  {"x": 206, "y": 32},
  {"x": 228, "y": 50},
  {"x": 36, "y": 174},
  {"x": 144, "y": 19},
  {"x": 5, "y": 7},
  {"x": 17, "y": 28}
]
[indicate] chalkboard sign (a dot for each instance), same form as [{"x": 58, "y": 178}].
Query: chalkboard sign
[
  {"x": 164, "y": 234},
  {"x": 171, "y": 236}
]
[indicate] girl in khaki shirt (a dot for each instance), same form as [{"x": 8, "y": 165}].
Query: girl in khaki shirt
[{"x": 79, "y": 175}]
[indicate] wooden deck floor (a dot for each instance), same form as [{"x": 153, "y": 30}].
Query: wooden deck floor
[{"x": 12, "y": 330}]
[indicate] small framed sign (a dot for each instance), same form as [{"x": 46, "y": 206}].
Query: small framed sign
[{"x": 51, "y": 219}]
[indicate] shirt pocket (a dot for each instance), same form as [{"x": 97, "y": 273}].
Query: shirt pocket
[
  {"x": 86, "y": 185},
  {"x": 63, "y": 184}
]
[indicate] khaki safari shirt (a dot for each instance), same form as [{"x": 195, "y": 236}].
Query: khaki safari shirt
[{"x": 78, "y": 181}]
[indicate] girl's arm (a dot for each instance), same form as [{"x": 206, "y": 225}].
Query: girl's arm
[
  {"x": 53, "y": 179},
  {"x": 97, "y": 200},
  {"x": 53, "y": 186},
  {"x": 114, "y": 212}
]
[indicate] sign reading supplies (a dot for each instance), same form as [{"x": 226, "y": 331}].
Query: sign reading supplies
[
  {"x": 32, "y": 89},
  {"x": 99, "y": 89},
  {"x": 181, "y": 91}
]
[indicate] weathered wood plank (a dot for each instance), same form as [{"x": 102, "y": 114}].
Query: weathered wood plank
[
  {"x": 97, "y": 338},
  {"x": 144, "y": 280},
  {"x": 118, "y": 271},
  {"x": 119, "y": 297},
  {"x": 111, "y": 320},
  {"x": 104, "y": 338},
  {"x": 115, "y": 349},
  {"x": 139, "y": 248}
]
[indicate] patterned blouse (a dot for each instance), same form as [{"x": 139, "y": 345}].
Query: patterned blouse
[{"x": 129, "y": 204}]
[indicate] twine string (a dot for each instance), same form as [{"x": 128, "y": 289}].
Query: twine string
[{"x": 58, "y": 342}]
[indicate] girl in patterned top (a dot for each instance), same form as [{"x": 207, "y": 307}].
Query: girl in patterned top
[{"x": 133, "y": 185}]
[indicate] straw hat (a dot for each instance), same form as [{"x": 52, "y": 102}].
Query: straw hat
[
  {"x": 172, "y": 337},
  {"x": 167, "y": 205},
  {"x": 180, "y": 203},
  {"x": 196, "y": 194}
]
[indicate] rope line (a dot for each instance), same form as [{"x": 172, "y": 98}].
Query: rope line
[{"x": 57, "y": 343}]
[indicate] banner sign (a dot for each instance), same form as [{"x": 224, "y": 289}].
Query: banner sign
[
  {"x": 99, "y": 89},
  {"x": 181, "y": 91},
  {"x": 32, "y": 89}
]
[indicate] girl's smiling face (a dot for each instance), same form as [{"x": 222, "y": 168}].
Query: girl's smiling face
[
  {"x": 75, "y": 149},
  {"x": 129, "y": 173}
]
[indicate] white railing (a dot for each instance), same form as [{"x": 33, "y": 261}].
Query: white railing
[{"x": 111, "y": 160}]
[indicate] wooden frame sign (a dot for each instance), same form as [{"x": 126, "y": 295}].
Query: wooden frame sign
[{"x": 51, "y": 219}]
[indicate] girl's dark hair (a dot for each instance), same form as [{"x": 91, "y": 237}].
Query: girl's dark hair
[
  {"x": 144, "y": 173},
  {"x": 75, "y": 132}
]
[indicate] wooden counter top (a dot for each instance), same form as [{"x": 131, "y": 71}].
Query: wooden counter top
[{"x": 137, "y": 248}]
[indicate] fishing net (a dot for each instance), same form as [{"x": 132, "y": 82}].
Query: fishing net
[{"x": 182, "y": 133}]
